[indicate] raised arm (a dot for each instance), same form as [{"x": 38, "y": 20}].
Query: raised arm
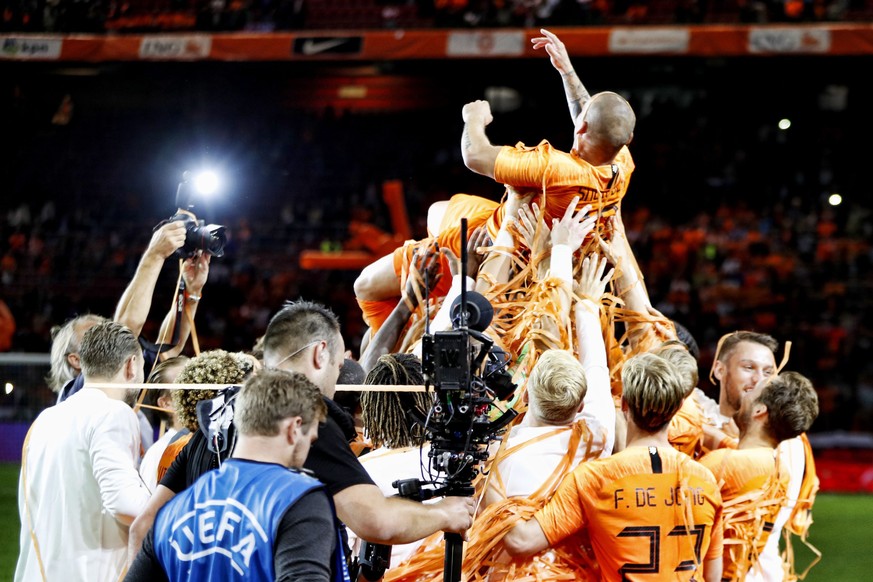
[
  {"x": 629, "y": 285},
  {"x": 195, "y": 271},
  {"x": 442, "y": 321},
  {"x": 577, "y": 94},
  {"x": 598, "y": 401},
  {"x": 567, "y": 236},
  {"x": 136, "y": 301},
  {"x": 478, "y": 152},
  {"x": 386, "y": 338},
  {"x": 496, "y": 267}
]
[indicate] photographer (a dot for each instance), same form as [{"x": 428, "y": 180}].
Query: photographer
[{"x": 135, "y": 303}]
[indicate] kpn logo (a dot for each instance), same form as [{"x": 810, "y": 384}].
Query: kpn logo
[
  {"x": 30, "y": 48},
  {"x": 218, "y": 529}
]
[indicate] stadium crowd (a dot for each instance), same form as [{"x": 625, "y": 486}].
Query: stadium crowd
[{"x": 92, "y": 16}]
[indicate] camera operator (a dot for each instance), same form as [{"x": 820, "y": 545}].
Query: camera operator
[{"x": 305, "y": 337}]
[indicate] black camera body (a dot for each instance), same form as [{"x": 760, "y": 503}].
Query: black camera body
[
  {"x": 199, "y": 236},
  {"x": 459, "y": 425}
]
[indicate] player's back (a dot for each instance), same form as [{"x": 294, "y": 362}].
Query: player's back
[{"x": 649, "y": 511}]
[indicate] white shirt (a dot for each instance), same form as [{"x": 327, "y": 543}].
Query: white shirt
[
  {"x": 148, "y": 468},
  {"x": 524, "y": 472},
  {"x": 386, "y": 466},
  {"x": 78, "y": 472}
]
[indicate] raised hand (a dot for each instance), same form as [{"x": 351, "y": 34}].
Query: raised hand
[
  {"x": 592, "y": 279},
  {"x": 477, "y": 110},
  {"x": 556, "y": 50},
  {"x": 515, "y": 200},
  {"x": 572, "y": 229},
  {"x": 477, "y": 250},
  {"x": 529, "y": 217},
  {"x": 195, "y": 271},
  {"x": 167, "y": 239},
  {"x": 426, "y": 265}
]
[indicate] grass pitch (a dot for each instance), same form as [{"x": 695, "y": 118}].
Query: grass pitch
[{"x": 841, "y": 532}]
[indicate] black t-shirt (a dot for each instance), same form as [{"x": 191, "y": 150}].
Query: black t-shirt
[
  {"x": 304, "y": 530},
  {"x": 193, "y": 460},
  {"x": 330, "y": 458}
]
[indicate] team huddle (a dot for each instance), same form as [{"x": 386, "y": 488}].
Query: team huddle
[{"x": 617, "y": 467}]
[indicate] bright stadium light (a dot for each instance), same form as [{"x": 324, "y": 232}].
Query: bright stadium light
[
  {"x": 9, "y": 387},
  {"x": 835, "y": 199},
  {"x": 206, "y": 182},
  {"x": 784, "y": 124}
]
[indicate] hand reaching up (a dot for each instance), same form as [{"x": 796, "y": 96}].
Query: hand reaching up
[
  {"x": 477, "y": 249},
  {"x": 556, "y": 50},
  {"x": 572, "y": 229},
  {"x": 529, "y": 218},
  {"x": 592, "y": 279}
]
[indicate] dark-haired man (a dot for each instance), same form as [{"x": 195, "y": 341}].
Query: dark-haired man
[
  {"x": 778, "y": 409},
  {"x": 305, "y": 337}
]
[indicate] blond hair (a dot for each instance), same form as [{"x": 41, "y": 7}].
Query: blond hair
[
  {"x": 653, "y": 390},
  {"x": 684, "y": 362},
  {"x": 556, "y": 387}
]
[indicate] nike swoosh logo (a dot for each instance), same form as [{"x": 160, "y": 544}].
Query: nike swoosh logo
[{"x": 313, "y": 47}]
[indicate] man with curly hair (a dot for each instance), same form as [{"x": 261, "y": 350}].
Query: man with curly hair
[{"x": 194, "y": 457}]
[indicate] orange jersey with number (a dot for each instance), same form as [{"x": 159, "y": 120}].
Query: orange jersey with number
[
  {"x": 686, "y": 428},
  {"x": 649, "y": 512},
  {"x": 753, "y": 487}
]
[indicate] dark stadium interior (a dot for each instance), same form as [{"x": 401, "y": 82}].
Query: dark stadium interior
[{"x": 729, "y": 214}]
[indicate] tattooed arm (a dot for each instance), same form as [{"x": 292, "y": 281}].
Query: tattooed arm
[
  {"x": 577, "y": 94},
  {"x": 478, "y": 152}
]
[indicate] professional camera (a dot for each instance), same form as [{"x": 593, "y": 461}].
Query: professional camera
[
  {"x": 468, "y": 376},
  {"x": 199, "y": 236}
]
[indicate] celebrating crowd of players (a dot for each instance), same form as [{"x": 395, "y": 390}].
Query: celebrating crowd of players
[{"x": 617, "y": 468}]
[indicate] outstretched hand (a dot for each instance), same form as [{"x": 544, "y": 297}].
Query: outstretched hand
[
  {"x": 592, "y": 280},
  {"x": 477, "y": 250},
  {"x": 475, "y": 257},
  {"x": 528, "y": 219},
  {"x": 572, "y": 229},
  {"x": 556, "y": 50},
  {"x": 515, "y": 200}
]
